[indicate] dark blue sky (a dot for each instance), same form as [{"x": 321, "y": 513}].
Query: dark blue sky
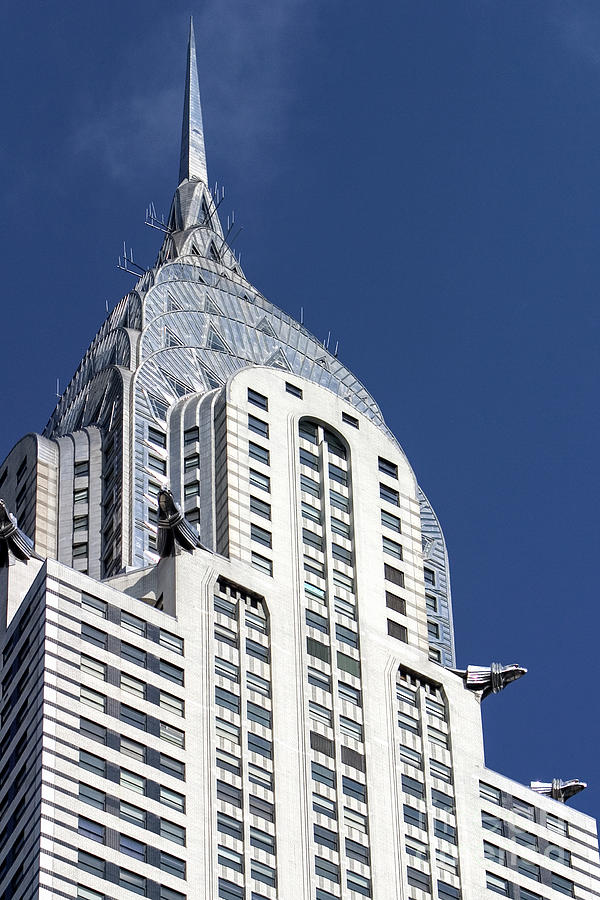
[{"x": 423, "y": 178}]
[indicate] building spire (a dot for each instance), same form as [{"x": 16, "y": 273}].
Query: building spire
[{"x": 192, "y": 162}]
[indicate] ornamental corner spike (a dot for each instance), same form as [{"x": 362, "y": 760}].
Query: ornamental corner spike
[
  {"x": 486, "y": 680},
  {"x": 557, "y": 789},
  {"x": 174, "y": 530},
  {"x": 13, "y": 540}
]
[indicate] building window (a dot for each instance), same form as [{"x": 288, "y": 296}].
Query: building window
[
  {"x": 173, "y": 798},
  {"x": 157, "y": 437},
  {"x": 258, "y": 453},
  {"x": 260, "y": 508},
  {"x": 497, "y": 885},
  {"x": 413, "y": 787},
  {"x": 346, "y": 635},
  {"x": 132, "y": 749},
  {"x": 429, "y": 576},
  {"x": 92, "y": 698},
  {"x": 262, "y": 872},
  {"x": 170, "y": 672},
  {"x": 86, "y": 893},
  {"x": 173, "y": 767},
  {"x": 442, "y": 801},
  {"x": 92, "y": 667},
  {"x": 531, "y": 870},
  {"x": 392, "y": 548},
  {"x": 410, "y": 756},
  {"x": 523, "y": 809},
  {"x": 431, "y": 603},
  {"x": 444, "y": 831},
  {"x": 337, "y": 474},
  {"x": 397, "y": 631},
  {"x": 260, "y": 535},
  {"x": 170, "y": 642},
  {"x": 172, "y": 864},
  {"x": 354, "y": 789},
  {"x": 130, "y": 813},
  {"x": 131, "y": 780},
  {"x": 557, "y": 825},
  {"x": 230, "y": 891},
  {"x": 358, "y": 883},
  {"x": 433, "y": 631},
  {"x": 261, "y": 808},
  {"x": 92, "y": 864},
  {"x": 132, "y": 716},
  {"x": 390, "y": 495},
  {"x": 440, "y": 770},
  {"x": 338, "y": 501},
  {"x": 133, "y": 654},
  {"x": 418, "y": 879},
  {"x": 260, "y": 745},
  {"x": 447, "y": 891},
  {"x": 350, "y": 420},
  {"x": 94, "y": 636},
  {"x": 132, "y": 882},
  {"x": 562, "y": 885},
  {"x": 257, "y": 426},
  {"x": 525, "y": 838},
  {"x": 172, "y": 704},
  {"x": 559, "y": 854},
  {"x": 261, "y": 562},
  {"x": 133, "y": 623},
  {"x": 258, "y": 480},
  {"x": 92, "y": 763},
  {"x": 293, "y": 390},
  {"x": 131, "y": 685},
  {"x": 258, "y": 399},
  {"x": 91, "y": 830},
  {"x": 492, "y": 823},
  {"x": 130, "y": 847},
  {"x": 393, "y": 575},
  {"x": 92, "y": 796},
  {"x": 348, "y": 664},
  {"x": 94, "y": 605}
]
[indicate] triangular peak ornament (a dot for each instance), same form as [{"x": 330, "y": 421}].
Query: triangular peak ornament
[
  {"x": 214, "y": 341},
  {"x": 211, "y": 306},
  {"x": 265, "y": 326},
  {"x": 210, "y": 378},
  {"x": 278, "y": 360}
]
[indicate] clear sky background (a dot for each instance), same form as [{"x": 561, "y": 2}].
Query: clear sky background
[{"x": 424, "y": 179}]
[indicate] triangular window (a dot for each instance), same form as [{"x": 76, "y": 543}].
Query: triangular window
[
  {"x": 216, "y": 342},
  {"x": 172, "y": 303},
  {"x": 279, "y": 360},
  {"x": 195, "y": 250},
  {"x": 159, "y": 407},
  {"x": 178, "y": 387},
  {"x": 211, "y": 379},
  {"x": 171, "y": 339},
  {"x": 265, "y": 326},
  {"x": 213, "y": 252},
  {"x": 211, "y": 307},
  {"x": 206, "y": 217}
]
